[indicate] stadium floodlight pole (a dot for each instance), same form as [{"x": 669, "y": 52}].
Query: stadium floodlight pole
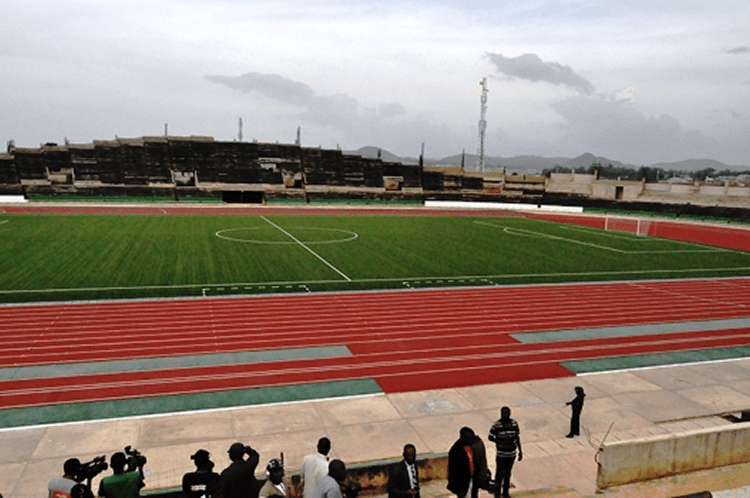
[{"x": 482, "y": 125}]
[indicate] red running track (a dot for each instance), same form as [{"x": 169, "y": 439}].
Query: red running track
[{"x": 405, "y": 340}]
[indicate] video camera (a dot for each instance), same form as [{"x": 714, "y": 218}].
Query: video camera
[
  {"x": 89, "y": 470},
  {"x": 136, "y": 460}
]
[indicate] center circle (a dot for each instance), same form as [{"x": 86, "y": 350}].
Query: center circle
[{"x": 255, "y": 235}]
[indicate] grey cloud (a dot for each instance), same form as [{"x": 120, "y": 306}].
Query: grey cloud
[
  {"x": 270, "y": 85},
  {"x": 739, "y": 50},
  {"x": 616, "y": 128},
  {"x": 531, "y": 67},
  {"x": 392, "y": 110},
  {"x": 387, "y": 126}
]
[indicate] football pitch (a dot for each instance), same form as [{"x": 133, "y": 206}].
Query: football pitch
[{"x": 59, "y": 257}]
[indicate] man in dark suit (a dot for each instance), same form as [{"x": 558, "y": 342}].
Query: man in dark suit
[{"x": 403, "y": 478}]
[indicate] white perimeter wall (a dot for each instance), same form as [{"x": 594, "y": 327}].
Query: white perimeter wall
[
  {"x": 626, "y": 462},
  {"x": 502, "y": 205}
]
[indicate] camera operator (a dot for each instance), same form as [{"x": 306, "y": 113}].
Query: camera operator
[
  {"x": 59, "y": 487},
  {"x": 238, "y": 480},
  {"x": 122, "y": 483}
]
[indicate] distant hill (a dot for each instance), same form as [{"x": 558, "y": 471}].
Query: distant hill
[
  {"x": 695, "y": 165},
  {"x": 536, "y": 164}
]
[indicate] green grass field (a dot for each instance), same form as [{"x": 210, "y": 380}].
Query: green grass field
[{"x": 74, "y": 257}]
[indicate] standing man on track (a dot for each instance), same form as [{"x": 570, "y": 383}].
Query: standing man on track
[{"x": 507, "y": 438}]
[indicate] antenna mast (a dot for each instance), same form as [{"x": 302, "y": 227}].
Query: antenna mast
[{"x": 482, "y": 125}]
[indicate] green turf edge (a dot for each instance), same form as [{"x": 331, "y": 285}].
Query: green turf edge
[
  {"x": 654, "y": 360},
  {"x": 98, "y": 410}
]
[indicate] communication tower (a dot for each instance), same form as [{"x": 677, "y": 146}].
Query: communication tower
[{"x": 482, "y": 125}]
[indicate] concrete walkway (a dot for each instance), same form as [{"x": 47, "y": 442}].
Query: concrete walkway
[{"x": 628, "y": 404}]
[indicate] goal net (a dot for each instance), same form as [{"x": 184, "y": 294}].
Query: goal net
[{"x": 626, "y": 224}]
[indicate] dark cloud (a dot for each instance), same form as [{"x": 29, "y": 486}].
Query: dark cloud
[
  {"x": 739, "y": 50},
  {"x": 531, "y": 67}
]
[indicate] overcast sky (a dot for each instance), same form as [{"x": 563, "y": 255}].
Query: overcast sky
[{"x": 635, "y": 81}]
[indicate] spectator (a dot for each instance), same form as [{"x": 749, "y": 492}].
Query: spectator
[
  {"x": 403, "y": 478},
  {"x": 81, "y": 491},
  {"x": 204, "y": 482},
  {"x": 329, "y": 486},
  {"x": 314, "y": 467},
  {"x": 122, "y": 483},
  {"x": 274, "y": 485},
  {"x": 238, "y": 480},
  {"x": 506, "y": 435},
  {"x": 59, "y": 487},
  {"x": 576, "y": 405},
  {"x": 467, "y": 464}
]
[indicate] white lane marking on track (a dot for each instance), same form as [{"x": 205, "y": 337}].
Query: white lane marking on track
[
  {"x": 306, "y": 248},
  {"x": 680, "y": 294}
]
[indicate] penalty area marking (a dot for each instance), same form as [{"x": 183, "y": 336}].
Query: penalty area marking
[{"x": 530, "y": 233}]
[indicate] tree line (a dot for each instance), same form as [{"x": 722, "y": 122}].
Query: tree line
[{"x": 651, "y": 175}]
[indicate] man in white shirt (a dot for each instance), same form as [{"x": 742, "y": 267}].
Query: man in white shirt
[
  {"x": 329, "y": 486},
  {"x": 314, "y": 467}
]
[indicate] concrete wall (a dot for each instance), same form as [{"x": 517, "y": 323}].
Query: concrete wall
[{"x": 626, "y": 462}]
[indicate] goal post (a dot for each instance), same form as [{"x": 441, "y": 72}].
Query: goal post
[{"x": 637, "y": 226}]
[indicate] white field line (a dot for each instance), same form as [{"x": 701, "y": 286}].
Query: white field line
[
  {"x": 598, "y": 232},
  {"x": 529, "y": 233},
  {"x": 487, "y": 279},
  {"x": 307, "y": 248}
]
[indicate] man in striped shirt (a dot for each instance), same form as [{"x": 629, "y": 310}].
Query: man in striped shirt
[{"x": 506, "y": 436}]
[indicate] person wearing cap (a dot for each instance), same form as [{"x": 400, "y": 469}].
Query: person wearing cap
[
  {"x": 329, "y": 486},
  {"x": 314, "y": 467},
  {"x": 274, "y": 485},
  {"x": 204, "y": 482},
  {"x": 59, "y": 487},
  {"x": 238, "y": 479},
  {"x": 576, "y": 405}
]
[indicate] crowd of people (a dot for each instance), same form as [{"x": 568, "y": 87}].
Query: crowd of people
[{"x": 320, "y": 477}]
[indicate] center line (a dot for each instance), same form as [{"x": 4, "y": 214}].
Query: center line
[{"x": 308, "y": 249}]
